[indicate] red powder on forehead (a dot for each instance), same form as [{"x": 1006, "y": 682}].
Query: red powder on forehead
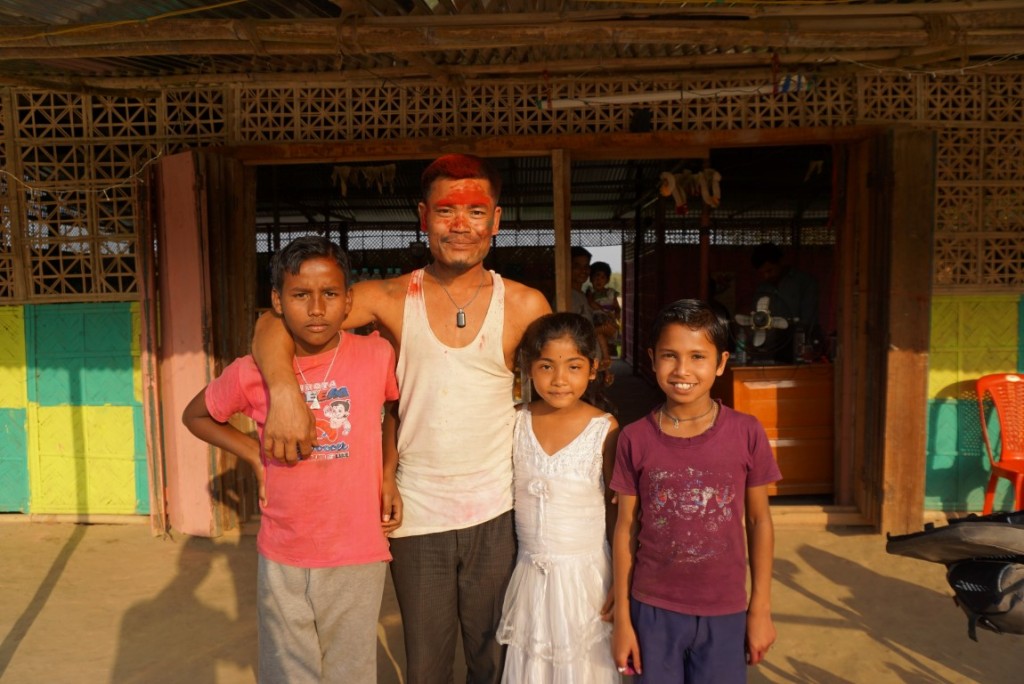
[
  {"x": 470, "y": 197},
  {"x": 461, "y": 166}
]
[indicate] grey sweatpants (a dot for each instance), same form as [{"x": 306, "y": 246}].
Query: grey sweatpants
[{"x": 318, "y": 625}]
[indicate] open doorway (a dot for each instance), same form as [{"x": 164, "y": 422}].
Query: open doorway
[{"x": 666, "y": 246}]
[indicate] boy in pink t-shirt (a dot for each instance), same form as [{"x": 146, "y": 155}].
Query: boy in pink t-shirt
[{"x": 322, "y": 542}]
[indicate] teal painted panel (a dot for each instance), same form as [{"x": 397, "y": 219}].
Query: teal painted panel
[
  {"x": 77, "y": 330},
  {"x": 141, "y": 469},
  {"x": 957, "y": 467},
  {"x": 84, "y": 382},
  {"x": 14, "y": 488},
  {"x": 942, "y": 467},
  {"x": 81, "y": 354}
]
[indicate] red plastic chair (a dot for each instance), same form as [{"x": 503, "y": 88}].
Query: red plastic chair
[{"x": 1007, "y": 392}]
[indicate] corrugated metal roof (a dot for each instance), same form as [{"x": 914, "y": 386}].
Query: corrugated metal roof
[{"x": 94, "y": 40}]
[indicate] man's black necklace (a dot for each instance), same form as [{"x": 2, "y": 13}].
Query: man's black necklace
[{"x": 460, "y": 313}]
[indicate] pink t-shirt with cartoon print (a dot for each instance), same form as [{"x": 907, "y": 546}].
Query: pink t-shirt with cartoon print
[{"x": 323, "y": 511}]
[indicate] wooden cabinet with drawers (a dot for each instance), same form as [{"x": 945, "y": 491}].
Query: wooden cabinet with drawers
[{"x": 795, "y": 405}]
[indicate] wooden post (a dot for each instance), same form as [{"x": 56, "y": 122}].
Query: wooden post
[
  {"x": 561, "y": 179},
  {"x": 909, "y": 304}
]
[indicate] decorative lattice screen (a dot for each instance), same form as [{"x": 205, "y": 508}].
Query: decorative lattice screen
[{"x": 75, "y": 160}]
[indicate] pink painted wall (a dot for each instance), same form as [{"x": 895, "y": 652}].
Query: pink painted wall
[{"x": 184, "y": 297}]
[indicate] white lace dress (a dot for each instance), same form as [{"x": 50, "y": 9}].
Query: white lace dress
[{"x": 551, "y": 618}]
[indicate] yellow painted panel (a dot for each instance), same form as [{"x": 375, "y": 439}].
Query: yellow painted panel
[
  {"x": 81, "y": 459},
  {"x": 106, "y": 431},
  {"x": 13, "y": 390},
  {"x": 988, "y": 323},
  {"x": 943, "y": 324},
  {"x": 970, "y": 337},
  {"x": 69, "y": 484},
  {"x": 136, "y": 340},
  {"x": 976, "y": 363},
  {"x": 943, "y": 375}
]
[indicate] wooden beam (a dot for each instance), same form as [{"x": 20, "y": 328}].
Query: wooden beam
[
  {"x": 328, "y": 37},
  {"x": 591, "y": 146}
]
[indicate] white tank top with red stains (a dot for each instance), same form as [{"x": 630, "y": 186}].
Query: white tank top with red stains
[{"x": 456, "y": 416}]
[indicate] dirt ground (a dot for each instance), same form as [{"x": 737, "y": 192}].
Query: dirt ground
[
  {"x": 111, "y": 603},
  {"x": 87, "y": 604}
]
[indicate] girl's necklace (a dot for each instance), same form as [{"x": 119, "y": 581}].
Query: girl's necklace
[
  {"x": 315, "y": 403},
  {"x": 460, "y": 313},
  {"x": 662, "y": 413}
]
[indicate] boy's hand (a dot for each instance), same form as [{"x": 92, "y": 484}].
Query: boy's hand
[
  {"x": 290, "y": 431},
  {"x": 390, "y": 506},
  {"x": 760, "y": 636},
  {"x": 261, "y": 481},
  {"x": 625, "y": 648}
]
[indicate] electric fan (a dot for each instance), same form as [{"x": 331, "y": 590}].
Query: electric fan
[{"x": 760, "y": 321}]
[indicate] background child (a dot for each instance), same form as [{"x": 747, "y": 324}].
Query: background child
[
  {"x": 322, "y": 544},
  {"x": 562, "y": 451},
  {"x": 604, "y": 300},
  {"x": 685, "y": 475}
]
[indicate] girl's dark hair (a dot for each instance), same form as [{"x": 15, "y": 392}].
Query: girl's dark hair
[
  {"x": 289, "y": 259},
  {"x": 577, "y": 328},
  {"x": 695, "y": 315}
]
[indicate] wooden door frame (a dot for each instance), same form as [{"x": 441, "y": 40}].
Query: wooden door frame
[{"x": 197, "y": 314}]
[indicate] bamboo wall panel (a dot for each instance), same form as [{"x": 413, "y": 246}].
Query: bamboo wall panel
[{"x": 75, "y": 160}]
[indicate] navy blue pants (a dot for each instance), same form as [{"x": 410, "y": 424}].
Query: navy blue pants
[{"x": 691, "y": 649}]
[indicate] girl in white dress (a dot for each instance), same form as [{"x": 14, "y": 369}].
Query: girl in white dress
[{"x": 564, "y": 449}]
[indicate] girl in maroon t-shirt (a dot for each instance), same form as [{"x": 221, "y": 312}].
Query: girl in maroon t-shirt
[{"x": 687, "y": 475}]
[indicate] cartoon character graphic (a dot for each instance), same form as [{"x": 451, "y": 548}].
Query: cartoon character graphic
[{"x": 337, "y": 424}]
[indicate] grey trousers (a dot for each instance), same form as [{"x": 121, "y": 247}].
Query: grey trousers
[
  {"x": 448, "y": 579},
  {"x": 318, "y": 625}
]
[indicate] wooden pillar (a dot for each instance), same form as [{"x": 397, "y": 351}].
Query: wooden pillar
[
  {"x": 909, "y": 304},
  {"x": 561, "y": 180}
]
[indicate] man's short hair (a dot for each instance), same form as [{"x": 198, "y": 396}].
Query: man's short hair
[
  {"x": 765, "y": 252},
  {"x": 577, "y": 251},
  {"x": 460, "y": 167}
]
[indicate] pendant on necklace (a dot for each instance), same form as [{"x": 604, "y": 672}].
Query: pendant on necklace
[
  {"x": 315, "y": 404},
  {"x": 460, "y": 319}
]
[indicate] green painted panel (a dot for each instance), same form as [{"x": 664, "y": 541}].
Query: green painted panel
[
  {"x": 86, "y": 382},
  {"x": 942, "y": 475},
  {"x": 957, "y": 467},
  {"x": 141, "y": 469},
  {"x": 14, "y": 490},
  {"x": 81, "y": 355},
  {"x": 86, "y": 436},
  {"x": 77, "y": 330}
]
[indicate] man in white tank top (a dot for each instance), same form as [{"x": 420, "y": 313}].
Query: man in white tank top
[{"x": 455, "y": 327}]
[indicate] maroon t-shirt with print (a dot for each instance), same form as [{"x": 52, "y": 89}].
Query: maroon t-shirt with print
[{"x": 691, "y": 556}]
